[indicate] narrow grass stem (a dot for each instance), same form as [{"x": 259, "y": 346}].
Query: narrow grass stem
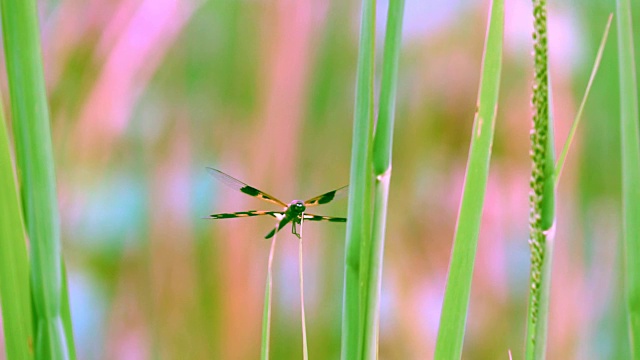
[
  {"x": 305, "y": 350},
  {"x": 576, "y": 121},
  {"x": 371, "y": 307},
  {"x": 542, "y": 194},
  {"x": 266, "y": 314}
]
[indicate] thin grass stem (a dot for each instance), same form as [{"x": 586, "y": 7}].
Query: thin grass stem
[
  {"x": 266, "y": 314},
  {"x": 576, "y": 120},
  {"x": 542, "y": 194},
  {"x": 305, "y": 350}
]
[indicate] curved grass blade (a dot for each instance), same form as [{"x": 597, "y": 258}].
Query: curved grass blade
[
  {"x": 458, "y": 288},
  {"x": 576, "y": 121}
]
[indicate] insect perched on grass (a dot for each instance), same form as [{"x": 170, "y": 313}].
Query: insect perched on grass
[{"x": 294, "y": 212}]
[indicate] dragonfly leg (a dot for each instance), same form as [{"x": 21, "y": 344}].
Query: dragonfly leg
[{"x": 294, "y": 229}]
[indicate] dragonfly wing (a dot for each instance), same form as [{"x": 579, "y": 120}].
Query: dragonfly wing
[
  {"x": 328, "y": 197},
  {"x": 312, "y": 217},
  {"x": 240, "y": 186},
  {"x": 239, "y": 214},
  {"x": 280, "y": 225}
]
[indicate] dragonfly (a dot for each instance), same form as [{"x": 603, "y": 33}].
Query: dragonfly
[{"x": 293, "y": 213}]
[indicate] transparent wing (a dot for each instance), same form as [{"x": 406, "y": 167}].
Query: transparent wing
[
  {"x": 240, "y": 186},
  {"x": 239, "y": 214},
  {"x": 312, "y": 217},
  {"x": 328, "y": 197}
]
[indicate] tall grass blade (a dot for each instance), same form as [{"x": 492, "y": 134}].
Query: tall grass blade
[
  {"x": 542, "y": 194},
  {"x": 576, "y": 121},
  {"x": 35, "y": 165},
  {"x": 359, "y": 212},
  {"x": 382, "y": 149},
  {"x": 630, "y": 142},
  {"x": 14, "y": 264},
  {"x": 456, "y": 298}
]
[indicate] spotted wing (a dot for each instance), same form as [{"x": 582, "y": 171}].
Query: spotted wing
[
  {"x": 239, "y": 214},
  {"x": 283, "y": 221},
  {"x": 239, "y": 185},
  {"x": 328, "y": 197},
  {"x": 312, "y": 217}
]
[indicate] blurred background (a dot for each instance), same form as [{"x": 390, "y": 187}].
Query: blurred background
[{"x": 145, "y": 93}]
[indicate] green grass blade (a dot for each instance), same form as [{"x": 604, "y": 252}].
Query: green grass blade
[
  {"x": 630, "y": 143},
  {"x": 542, "y": 195},
  {"x": 66, "y": 313},
  {"x": 15, "y": 297},
  {"x": 359, "y": 212},
  {"x": 383, "y": 140},
  {"x": 373, "y": 282},
  {"x": 34, "y": 157},
  {"x": 576, "y": 121},
  {"x": 382, "y": 148},
  {"x": 456, "y": 298}
]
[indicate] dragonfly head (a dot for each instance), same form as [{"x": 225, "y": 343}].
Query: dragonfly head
[{"x": 297, "y": 206}]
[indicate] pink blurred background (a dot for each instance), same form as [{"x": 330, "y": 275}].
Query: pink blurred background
[{"x": 145, "y": 94}]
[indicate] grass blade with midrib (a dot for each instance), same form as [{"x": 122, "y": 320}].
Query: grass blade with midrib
[
  {"x": 458, "y": 288},
  {"x": 359, "y": 212},
  {"x": 382, "y": 149},
  {"x": 630, "y": 142},
  {"x": 14, "y": 264},
  {"x": 35, "y": 164}
]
